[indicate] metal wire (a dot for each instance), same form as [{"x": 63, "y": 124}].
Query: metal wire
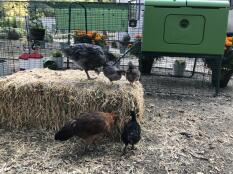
[{"x": 62, "y": 20}]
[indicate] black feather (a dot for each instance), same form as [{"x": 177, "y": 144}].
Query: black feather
[
  {"x": 66, "y": 132},
  {"x": 132, "y": 131},
  {"x": 132, "y": 74},
  {"x": 112, "y": 72},
  {"x": 87, "y": 56}
]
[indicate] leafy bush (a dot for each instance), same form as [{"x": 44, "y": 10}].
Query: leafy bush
[
  {"x": 56, "y": 53},
  {"x": 90, "y": 37}
]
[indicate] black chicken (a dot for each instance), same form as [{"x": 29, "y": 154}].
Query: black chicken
[
  {"x": 87, "y": 56},
  {"x": 112, "y": 72},
  {"x": 132, "y": 132},
  {"x": 132, "y": 74}
]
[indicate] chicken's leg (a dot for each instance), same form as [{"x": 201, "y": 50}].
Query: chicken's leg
[
  {"x": 124, "y": 150},
  {"x": 133, "y": 148}
]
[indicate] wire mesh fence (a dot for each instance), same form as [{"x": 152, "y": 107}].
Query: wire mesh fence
[{"x": 113, "y": 26}]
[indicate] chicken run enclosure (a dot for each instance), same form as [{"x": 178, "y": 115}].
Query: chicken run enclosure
[{"x": 114, "y": 26}]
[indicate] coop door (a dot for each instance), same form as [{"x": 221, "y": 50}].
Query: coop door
[{"x": 184, "y": 29}]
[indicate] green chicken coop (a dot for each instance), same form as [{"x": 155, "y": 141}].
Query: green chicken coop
[{"x": 186, "y": 27}]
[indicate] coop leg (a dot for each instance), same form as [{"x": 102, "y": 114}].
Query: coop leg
[
  {"x": 218, "y": 71},
  {"x": 194, "y": 67},
  {"x": 68, "y": 62}
]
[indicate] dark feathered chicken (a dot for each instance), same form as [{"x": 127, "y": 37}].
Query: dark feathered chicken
[
  {"x": 125, "y": 40},
  {"x": 112, "y": 72},
  {"x": 87, "y": 56},
  {"x": 89, "y": 126},
  {"x": 132, "y": 132},
  {"x": 132, "y": 74}
]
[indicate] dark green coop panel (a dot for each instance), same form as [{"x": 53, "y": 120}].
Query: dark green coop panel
[
  {"x": 100, "y": 17},
  {"x": 185, "y": 26}
]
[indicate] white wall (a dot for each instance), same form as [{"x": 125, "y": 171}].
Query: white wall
[{"x": 230, "y": 21}]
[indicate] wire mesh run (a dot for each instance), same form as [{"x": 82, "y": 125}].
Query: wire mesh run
[{"x": 114, "y": 26}]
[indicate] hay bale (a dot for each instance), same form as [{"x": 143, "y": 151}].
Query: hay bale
[{"x": 43, "y": 98}]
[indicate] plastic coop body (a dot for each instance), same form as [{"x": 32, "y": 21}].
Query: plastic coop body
[{"x": 185, "y": 26}]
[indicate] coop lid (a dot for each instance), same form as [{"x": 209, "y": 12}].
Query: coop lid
[
  {"x": 189, "y": 3},
  {"x": 178, "y": 3},
  {"x": 208, "y": 3}
]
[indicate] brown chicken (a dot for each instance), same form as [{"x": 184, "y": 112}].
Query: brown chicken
[{"x": 89, "y": 126}]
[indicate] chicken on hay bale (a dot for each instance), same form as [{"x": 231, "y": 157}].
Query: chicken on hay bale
[{"x": 46, "y": 99}]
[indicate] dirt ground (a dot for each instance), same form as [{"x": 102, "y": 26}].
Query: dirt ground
[{"x": 179, "y": 135}]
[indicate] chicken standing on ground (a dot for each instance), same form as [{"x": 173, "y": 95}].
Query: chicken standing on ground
[
  {"x": 132, "y": 74},
  {"x": 132, "y": 132},
  {"x": 89, "y": 126},
  {"x": 112, "y": 72},
  {"x": 87, "y": 56}
]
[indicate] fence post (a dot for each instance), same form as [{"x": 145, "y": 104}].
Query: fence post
[{"x": 69, "y": 26}]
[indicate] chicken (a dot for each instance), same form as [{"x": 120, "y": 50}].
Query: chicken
[
  {"x": 87, "y": 56},
  {"x": 125, "y": 40},
  {"x": 132, "y": 132},
  {"x": 112, "y": 72},
  {"x": 132, "y": 74},
  {"x": 89, "y": 126}
]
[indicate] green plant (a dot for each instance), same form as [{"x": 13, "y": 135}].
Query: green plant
[
  {"x": 90, "y": 37},
  {"x": 21, "y": 31},
  {"x": 57, "y": 53},
  {"x": 48, "y": 37},
  {"x": 35, "y": 22},
  {"x": 51, "y": 65},
  {"x": 37, "y": 31},
  {"x": 14, "y": 22},
  {"x": 3, "y": 33}
]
